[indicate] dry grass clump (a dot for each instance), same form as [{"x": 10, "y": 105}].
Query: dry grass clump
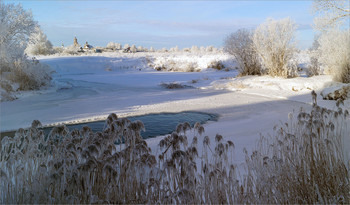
[
  {"x": 22, "y": 74},
  {"x": 340, "y": 95},
  {"x": 218, "y": 65},
  {"x": 173, "y": 85},
  {"x": 81, "y": 166},
  {"x": 76, "y": 166},
  {"x": 302, "y": 163}
]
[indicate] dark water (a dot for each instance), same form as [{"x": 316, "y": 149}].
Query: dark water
[{"x": 155, "y": 124}]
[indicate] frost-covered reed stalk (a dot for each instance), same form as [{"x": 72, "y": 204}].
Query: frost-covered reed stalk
[{"x": 303, "y": 162}]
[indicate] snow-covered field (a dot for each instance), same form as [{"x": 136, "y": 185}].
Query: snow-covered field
[{"x": 89, "y": 88}]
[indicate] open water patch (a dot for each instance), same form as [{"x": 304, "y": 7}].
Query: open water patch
[{"x": 155, "y": 124}]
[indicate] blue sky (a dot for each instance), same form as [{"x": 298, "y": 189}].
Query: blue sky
[{"x": 162, "y": 23}]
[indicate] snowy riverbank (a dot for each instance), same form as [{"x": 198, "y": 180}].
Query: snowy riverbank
[{"x": 89, "y": 88}]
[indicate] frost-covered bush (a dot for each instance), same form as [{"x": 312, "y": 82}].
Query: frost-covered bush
[
  {"x": 173, "y": 85},
  {"x": 176, "y": 66},
  {"x": 39, "y": 44},
  {"x": 57, "y": 49},
  {"x": 334, "y": 54},
  {"x": 163, "y": 50},
  {"x": 141, "y": 49},
  {"x": 218, "y": 65},
  {"x": 274, "y": 42},
  {"x": 29, "y": 75},
  {"x": 114, "y": 46},
  {"x": 240, "y": 45},
  {"x": 314, "y": 68},
  {"x": 186, "y": 50},
  {"x": 71, "y": 50}
]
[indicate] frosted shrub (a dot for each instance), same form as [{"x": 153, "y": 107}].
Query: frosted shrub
[
  {"x": 314, "y": 67},
  {"x": 240, "y": 45},
  {"x": 39, "y": 44},
  {"x": 334, "y": 54},
  {"x": 141, "y": 49},
  {"x": 190, "y": 67},
  {"x": 173, "y": 85},
  {"x": 71, "y": 50},
  {"x": 274, "y": 42},
  {"x": 218, "y": 65},
  {"x": 186, "y": 50},
  {"x": 114, "y": 46},
  {"x": 29, "y": 75},
  {"x": 163, "y": 50}
]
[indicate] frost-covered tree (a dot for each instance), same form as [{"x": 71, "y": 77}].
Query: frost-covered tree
[
  {"x": 16, "y": 71},
  {"x": 16, "y": 26},
  {"x": 133, "y": 49},
  {"x": 39, "y": 44},
  {"x": 126, "y": 46},
  {"x": 175, "y": 49},
  {"x": 209, "y": 48},
  {"x": 118, "y": 46},
  {"x": 240, "y": 45},
  {"x": 163, "y": 50},
  {"x": 111, "y": 45},
  {"x": 274, "y": 41},
  {"x": 114, "y": 46},
  {"x": 334, "y": 53},
  {"x": 140, "y": 49},
  {"x": 194, "y": 49},
  {"x": 151, "y": 49},
  {"x": 330, "y": 13}
]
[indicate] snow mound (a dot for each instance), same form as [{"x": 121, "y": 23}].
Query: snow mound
[
  {"x": 275, "y": 83},
  {"x": 187, "y": 62}
]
